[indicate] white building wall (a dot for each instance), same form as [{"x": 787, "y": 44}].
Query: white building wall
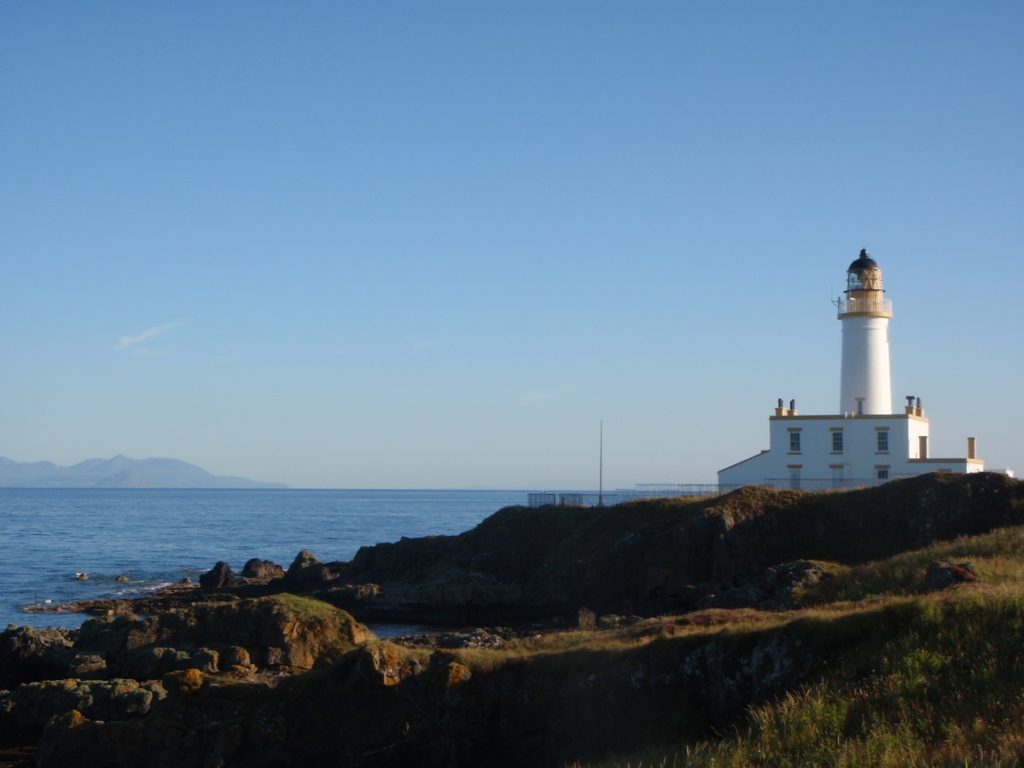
[{"x": 858, "y": 463}]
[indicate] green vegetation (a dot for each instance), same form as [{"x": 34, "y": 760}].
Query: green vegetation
[
  {"x": 996, "y": 557},
  {"x": 298, "y": 606},
  {"x": 908, "y": 679}
]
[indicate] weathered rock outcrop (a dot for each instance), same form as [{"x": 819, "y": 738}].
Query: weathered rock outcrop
[
  {"x": 941, "y": 575},
  {"x": 28, "y": 654},
  {"x": 275, "y": 631},
  {"x": 306, "y": 570},
  {"x": 26, "y": 709},
  {"x": 218, "y": 577},
  {"x": 262, "y": 570}
]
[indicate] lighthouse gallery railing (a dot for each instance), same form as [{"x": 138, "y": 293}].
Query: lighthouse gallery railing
[{"x": 864, "y": 305}]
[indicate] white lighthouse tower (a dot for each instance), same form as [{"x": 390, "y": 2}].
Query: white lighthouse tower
[{"x": 865, "y": 386}]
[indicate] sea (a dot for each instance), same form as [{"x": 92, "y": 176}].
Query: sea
[{"x": 156, "y": 537}]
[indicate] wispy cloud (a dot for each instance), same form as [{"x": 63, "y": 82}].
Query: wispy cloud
[
  {"x": 424, "y": 344},
  {"x": 538, "y": 397},
  {"x": 535, "y": 398},
  {"x": 132, "y": 342}
]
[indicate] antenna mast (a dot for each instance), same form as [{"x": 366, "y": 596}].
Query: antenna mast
[{"x": 600, "y": 468}]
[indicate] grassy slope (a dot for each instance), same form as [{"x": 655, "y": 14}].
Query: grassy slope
[{"x": 914, "y": 679}]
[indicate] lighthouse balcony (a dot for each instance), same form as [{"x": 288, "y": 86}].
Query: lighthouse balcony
[{"x": 872, "y": 306}]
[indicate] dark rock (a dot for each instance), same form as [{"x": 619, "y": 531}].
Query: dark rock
[
  {"x": 263, "y": 570},
  {"x": 777, "y": 588},
  {"x": 307, "y": 569},
  {"x": 236, "y": 658},
  {"x": 153, "y": 663},
  {"x": 206, "y": 660},
  {"x": 121, "y": 579},
  {"x": 738, "y": 597},
  {"x": 219, "y": 576},
  {"x": 475, "y": 638},
  {"x": 28, "y": 707},
  {"x": 276, "y": 631},
  {"x": 942, "y": 575},
  {"x": 586, "y": 619},
  {"x": 111, "y": 638},
  {"x": 28, "y": 655},
  {"x": 88, "y": 666}
]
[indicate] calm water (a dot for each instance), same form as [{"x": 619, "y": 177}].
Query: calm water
[{"x": 158, "y": 536}]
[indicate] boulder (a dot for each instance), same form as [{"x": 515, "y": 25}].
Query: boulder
[
  {"x": 263, "y": 570},
  {"x": 942, "y": 575},
  {"x": 88, "y": 666},
  {"x": 112, "y": 638},
  {"x": 28, "y": 655},
  {"x": 219, "y": 576},
  {"x": 307, "y": 569}
]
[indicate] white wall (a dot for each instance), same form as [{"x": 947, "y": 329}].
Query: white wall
[{"x": 860, "y": 457}]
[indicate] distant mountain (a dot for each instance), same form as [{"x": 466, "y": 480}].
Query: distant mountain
[{"x": 118, "y": 472}]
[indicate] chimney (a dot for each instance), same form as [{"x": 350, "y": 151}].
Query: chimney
[{"x": 971, "y": 448}]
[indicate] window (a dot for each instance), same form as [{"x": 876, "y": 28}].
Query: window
[
  {"x": 794, "y": 442},
  {"x": 883, "y": 441},
  {"x": 837, "y": 441},
  {"x": 883, "y": 473}
]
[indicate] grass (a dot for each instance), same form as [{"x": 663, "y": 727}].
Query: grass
[
  {"x": 912, "y": 679},
  {"x": 998, "y": 558},
  {"x": 300, "y": 607}
]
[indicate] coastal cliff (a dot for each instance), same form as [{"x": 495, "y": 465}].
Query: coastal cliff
[
  {"x": 872, "y": 627},
  {"x": 659, "y": 556}
]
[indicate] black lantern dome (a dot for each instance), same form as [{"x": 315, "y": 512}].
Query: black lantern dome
[{"x": 863, "y": 262}]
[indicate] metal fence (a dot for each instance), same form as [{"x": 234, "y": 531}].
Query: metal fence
[
  {"x": 620, "y": 495},
  {"x": 824, "y": 483},
  {"x": 674, "y": 490}
]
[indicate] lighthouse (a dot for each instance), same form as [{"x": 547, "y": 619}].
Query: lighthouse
[
  {"x": 865, "y": 385},
  {"x": 864, "y": 442}
]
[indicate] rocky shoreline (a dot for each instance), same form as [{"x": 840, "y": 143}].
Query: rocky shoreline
[{"x": 563, "y": 633}]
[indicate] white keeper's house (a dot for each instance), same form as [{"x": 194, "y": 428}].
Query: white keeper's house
[{"x": 865, "y": 442}]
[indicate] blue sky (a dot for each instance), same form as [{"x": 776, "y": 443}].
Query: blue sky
[{"x": 431, "y": 245}]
